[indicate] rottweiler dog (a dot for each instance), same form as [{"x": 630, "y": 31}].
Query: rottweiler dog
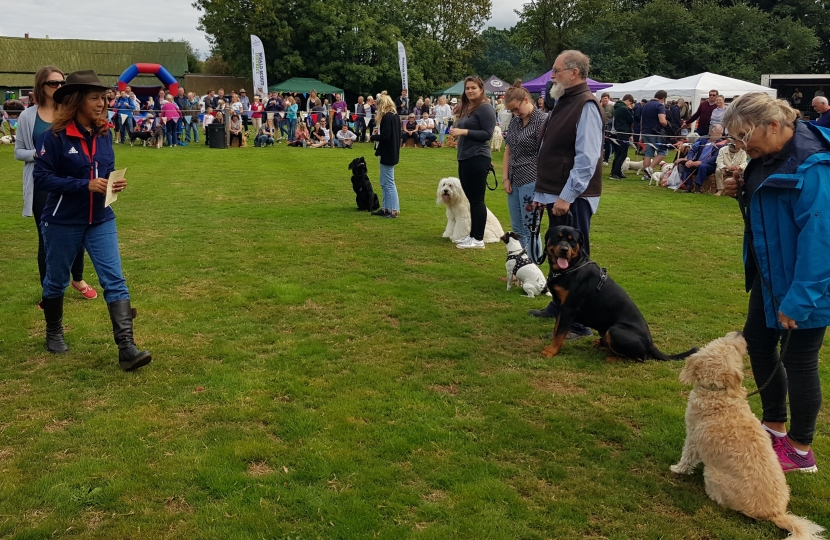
[
  {"x": 365, "y": 196},
  {"x": 586, "y": 294}
]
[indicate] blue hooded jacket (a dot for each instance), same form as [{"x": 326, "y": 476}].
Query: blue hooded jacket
[
  {"x": 65, "y": 164},
  {"x": 789, "y": 217}
]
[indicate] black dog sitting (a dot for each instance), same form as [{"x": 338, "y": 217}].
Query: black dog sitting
[
  {"x": 585, "y": 293},
  {"x": 365, "y": 196}
]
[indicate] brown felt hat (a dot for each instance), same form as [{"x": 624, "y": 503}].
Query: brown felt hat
[{"x": 77, "y": 81}]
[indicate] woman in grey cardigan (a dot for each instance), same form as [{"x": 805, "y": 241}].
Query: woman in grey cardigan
[
  {"x": 33, "y": 122},
  {"x": 474, "y": 129}
]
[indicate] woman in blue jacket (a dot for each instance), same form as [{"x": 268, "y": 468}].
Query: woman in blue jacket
[
  {"x": 74, "y": 160},
  {"x": 785, "y": 191}
]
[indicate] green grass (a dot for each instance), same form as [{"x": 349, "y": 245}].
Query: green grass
[{"x": 321, "y": 373}]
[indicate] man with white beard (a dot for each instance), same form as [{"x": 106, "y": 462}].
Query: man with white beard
[{"x": 569, "y": 162}]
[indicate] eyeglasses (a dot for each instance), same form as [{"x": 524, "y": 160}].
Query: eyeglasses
[
  {"x": 555, "y": 71},
  {"x": 54, "y": 84}
]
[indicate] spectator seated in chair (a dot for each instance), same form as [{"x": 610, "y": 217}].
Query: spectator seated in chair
[
  {"x": 409, "y": 130},
  {"x": 236, "y": 129},
  {"x": 701, "y": 160},
  {"x": 345, "y": 138},
  {"x": 426, "y": 130},
  {"x": 265, "y": 137}
]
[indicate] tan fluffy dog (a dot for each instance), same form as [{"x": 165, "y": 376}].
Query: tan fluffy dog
[
  {"x": 741, "y": 470},
  {"x": 497, "y": 140}
]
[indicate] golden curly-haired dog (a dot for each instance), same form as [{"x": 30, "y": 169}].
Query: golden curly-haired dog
[{"x": 741, "y": 470}]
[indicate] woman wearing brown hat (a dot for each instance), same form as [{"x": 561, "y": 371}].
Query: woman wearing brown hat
[{"x": 75, "y": 157}]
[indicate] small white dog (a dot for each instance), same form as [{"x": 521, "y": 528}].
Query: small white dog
[
  {"x": 741, "y": 470},
  {"x": 497, "y": 140},
  {"x": 657, "y": 176},
  {"x": 631, "y": 165},
  {"x": 519, "y": 265},
  {"x": 7, "y": 139},
  {"x": 458, "y": 213}
]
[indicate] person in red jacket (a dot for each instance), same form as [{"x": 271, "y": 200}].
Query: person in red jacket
[
  {"x": 74, "y": 160},
  {"x": 703, "y": 114}
]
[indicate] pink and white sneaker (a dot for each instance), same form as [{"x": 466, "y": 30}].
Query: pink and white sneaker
[{"x": 791, "y": 460}]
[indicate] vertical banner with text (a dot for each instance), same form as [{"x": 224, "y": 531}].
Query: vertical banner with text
[
  {"x": 402, "y": 62},
  {"x": 258, "y": 67}
]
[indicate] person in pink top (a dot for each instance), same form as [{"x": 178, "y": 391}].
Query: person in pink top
[
  {"x": 256, "y": 114},
  {"x": 171, "y": 113}
]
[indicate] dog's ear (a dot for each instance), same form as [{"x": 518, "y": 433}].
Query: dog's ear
[
  {"x": 688, "y": 375},
  {"x": 578, "y": 237},
  {"x": 733, "y": 378},
  {"x": 514, "y": 236}
]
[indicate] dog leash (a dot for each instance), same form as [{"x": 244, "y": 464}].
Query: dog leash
[
  {"x": 536, "y": 225},
  {"x": 775, "y": 303},
  {"x": 492, "y": 169}
]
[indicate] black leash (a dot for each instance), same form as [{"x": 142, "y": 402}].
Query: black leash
[
  {"x": 535, "y": 237},
  {"x": 775, "y": 303},
  {"x": 495, "y": 178}
]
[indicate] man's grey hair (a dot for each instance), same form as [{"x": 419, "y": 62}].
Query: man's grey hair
[
  {"x": 716, "y": 130},
  {"x": 576, "y": 59},
  {"x": 820, "y": 99}
]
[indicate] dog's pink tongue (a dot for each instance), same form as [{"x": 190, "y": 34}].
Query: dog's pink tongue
[{"x": 562, "y": 263}]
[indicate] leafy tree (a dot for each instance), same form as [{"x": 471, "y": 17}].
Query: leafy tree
[
  {"x": 216, "y": 65},
  {"x": 550, "y": 25},
  {"x": 507, "y": 56},
  {"x": 194, "y": 65},
  {"x": 812, "y": 14}
]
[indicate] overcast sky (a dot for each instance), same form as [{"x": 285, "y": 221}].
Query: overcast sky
[{"x": 141, "y": 20}]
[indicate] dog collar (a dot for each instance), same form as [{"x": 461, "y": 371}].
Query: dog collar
[
  {"x": 710, "y": 387},
  {"x": 603, "y": 273}
]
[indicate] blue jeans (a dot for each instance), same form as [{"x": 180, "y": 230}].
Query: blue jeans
[
  {"x": 179, "y": 129},
  {"x": 427, "y": 138},
  {"x": 62, "y": 243},
  {"x": 171, "y": 132},
  {"x": 126, "y": 128},
  {"x": 265, "y": 140},
  {"x": 441, "y": 127},
  {"x": 193, "y": 125},
  {"x": 292, "y": 128},
  {"x": 387, "y": 185},
  {"x": 521, "y": 219}
]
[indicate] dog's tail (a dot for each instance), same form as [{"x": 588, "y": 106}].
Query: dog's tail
[
  {"x": 655, "y": 353},
  {"x": 799, "y": 527}
]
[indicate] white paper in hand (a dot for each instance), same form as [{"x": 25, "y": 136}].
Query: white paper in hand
[{"x": 111, "y": 195}]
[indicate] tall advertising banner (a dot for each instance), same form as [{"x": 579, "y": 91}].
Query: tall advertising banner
[
  {"x": 258, "y": 66},
  {"x": 402, "y": 62}
]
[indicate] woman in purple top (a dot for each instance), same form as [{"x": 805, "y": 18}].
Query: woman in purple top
[{"x": 341, "y": 111}]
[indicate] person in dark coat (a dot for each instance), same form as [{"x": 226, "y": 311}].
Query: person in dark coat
[{"x": 388, "y": 149}]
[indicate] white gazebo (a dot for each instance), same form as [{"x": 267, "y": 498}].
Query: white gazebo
[
  {"x": 640, "y": 89},
  {"x": 696, "y": 88}
]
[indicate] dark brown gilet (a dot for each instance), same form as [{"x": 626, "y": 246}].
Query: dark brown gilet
[{"x": 558, "y": 144}]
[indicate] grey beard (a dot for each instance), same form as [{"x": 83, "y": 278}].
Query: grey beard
[{"x": 557, "y": 91}]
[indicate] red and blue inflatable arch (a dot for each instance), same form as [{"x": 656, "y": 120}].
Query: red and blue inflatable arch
[{"x": 149, "y": 69}]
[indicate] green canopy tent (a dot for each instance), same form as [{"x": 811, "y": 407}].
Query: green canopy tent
[
  {"x": 303, "y": 85},
  {"x": 455, "y": 90}
]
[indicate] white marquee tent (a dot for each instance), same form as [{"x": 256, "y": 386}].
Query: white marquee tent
[
  {"x": 639, "y": 89},
  {"x": 696, "y": 88}
]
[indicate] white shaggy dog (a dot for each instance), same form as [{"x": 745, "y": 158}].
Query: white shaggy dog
[
  {"x": 657, "y": 176},
  {"x": 497, "y": 140},
  {"x": 631, "y": 165},
  {"x": 7, "y": 139},
  {"x": 741, "y": 470},
  {"x": 519, "y": 265},
  {"x": 458, "y": 213}
]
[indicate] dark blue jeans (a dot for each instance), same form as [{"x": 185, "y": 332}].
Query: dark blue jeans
[
  {"x": 101, "y": 242},
  {"x": 799, "y": 377}
]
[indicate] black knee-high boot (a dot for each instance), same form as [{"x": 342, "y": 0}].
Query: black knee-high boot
[
  {"x": 53, "y": 313},
  {"x": 129, "y": 356}
]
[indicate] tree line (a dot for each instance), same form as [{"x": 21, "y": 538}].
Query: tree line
[{"x": 351, "y": 43}]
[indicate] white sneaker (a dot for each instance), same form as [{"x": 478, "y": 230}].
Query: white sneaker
[
  {"x": 462, "y": 240},
  {"x": 471, "y": 244}
]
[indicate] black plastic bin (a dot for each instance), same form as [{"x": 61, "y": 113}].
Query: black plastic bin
[{"x": 216, "y": 135}]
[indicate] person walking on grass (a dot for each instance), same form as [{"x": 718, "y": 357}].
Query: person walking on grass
[
  {"x": 388, "y": 138},
  {"x": 74, "y": 161},
  {"x": 622, "y": 122},
  {"x": 569, "y": 163},
  {"x": 31, "y": 125},
  {"x": 785, "y": 194},
  {"x": 473, "y": 130}
]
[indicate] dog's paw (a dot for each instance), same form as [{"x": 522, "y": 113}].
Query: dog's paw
[
  {"x": 681, "y": 468},
  {"x": 550, "y": 351}
]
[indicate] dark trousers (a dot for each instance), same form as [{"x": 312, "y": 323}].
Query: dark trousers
[
  {"x": 77, "y": 270},
  {"x": 581, "y": 211},
  {"x": 620, "y": 153},
  {"x": 799, "y": 377},
  {"x": 360, "y": 129},
  {"x": 608, "y": 146},
  {"x": 473, "y": 175}
]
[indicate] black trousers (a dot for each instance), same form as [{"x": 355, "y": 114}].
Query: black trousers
[
  {"x": 473, "y": 175},
  {"x": 620, "y": 153},
  {"x": 581, "y": 211},
  {"x": 38, "y": 202},
  {"x": 799, "y": 376}
]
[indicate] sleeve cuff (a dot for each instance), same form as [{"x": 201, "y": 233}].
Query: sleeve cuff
[{"x": 569, "y": 194}]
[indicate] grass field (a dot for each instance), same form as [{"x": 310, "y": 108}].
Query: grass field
[{"x": 321, "y": 373}]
